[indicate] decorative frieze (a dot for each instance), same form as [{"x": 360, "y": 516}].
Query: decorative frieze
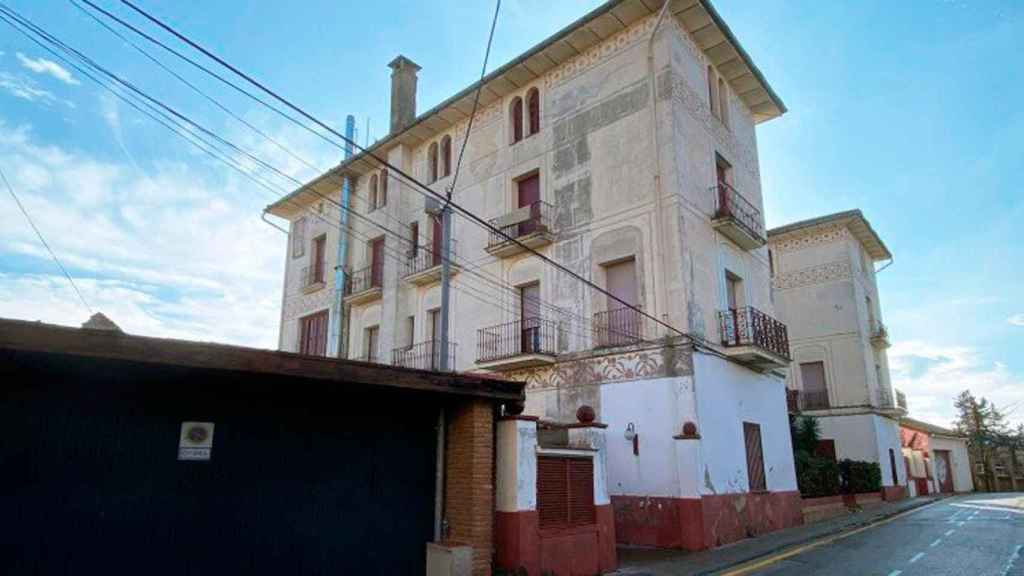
[
  {"x": 598, "y": 54},
  {"x": 815, "y": 236},
  {"x": 819, "y": 274},
  {"x": 590, "y": 371}
]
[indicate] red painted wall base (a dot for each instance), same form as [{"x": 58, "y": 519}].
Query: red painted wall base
[
  {"x": 706, "y": 522},
  {"x": 893, "y": 493},
  {"x": 584, "y": 550}
]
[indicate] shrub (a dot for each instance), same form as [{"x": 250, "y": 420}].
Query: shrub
[
  {"x": 858, "y": 477},
  {"x": 816, "y": 476}
]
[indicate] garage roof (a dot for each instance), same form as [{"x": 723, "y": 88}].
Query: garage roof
[
  {"x": 698, "y": 17},
  {"x": 113, "y": 344}
]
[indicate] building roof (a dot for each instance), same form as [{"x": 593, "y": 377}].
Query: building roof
[
  {"x": 20, "y": 335},
  {"x": 852, "y": 219},
  {"x": 698, "y": 17},
  {"x": 929, "y": 428}
]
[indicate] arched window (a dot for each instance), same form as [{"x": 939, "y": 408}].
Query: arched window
[
  {"x": 373, "y": 192},
  {"x": 712, "y": 98},
  {"x": 446, "y": 156},
  {"x": 533, "y": 108},
  {"x": 516, "y": 113},
  {"x": 382, "y": 199},
  {"x": 432, "y": 163},
  {"x": 723, "y": 102}
]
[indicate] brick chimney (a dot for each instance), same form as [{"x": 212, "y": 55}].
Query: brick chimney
[{"x": 403, "y": 93}]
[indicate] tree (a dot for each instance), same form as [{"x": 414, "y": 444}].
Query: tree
[{"x": 984, "y": 426}]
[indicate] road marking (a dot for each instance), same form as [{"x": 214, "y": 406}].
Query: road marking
[
  {"x": 756, "y": 565},
  {"x": 950, "y": 532},
  {"x": 917, "y": 557},
  {"x": 896, "y": 573},
  {"x": 960, "y": 524},
  {"x": 1013, "y": 558},
  {"x": 936, "y": 543}
]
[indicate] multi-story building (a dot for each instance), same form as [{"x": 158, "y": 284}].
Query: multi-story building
[
  {"x": 823, "y": 276},
  {"x": 622, "y": 148}
]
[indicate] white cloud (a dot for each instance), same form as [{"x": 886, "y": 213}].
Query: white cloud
[
  {"x": 1016, "y": 320},
  {"x": 932, "y": 376},
  {"x": 47, "y": 67},
  {"x": 177, "y": 252},
  {"x": 25, "y": 89}
]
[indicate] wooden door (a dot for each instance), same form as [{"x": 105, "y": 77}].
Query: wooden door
[
  {"x": 755, "y": 457},
  {"x": 377, "y": 262},
  {"x": 621, "y": 321},
  {"x": 529, "y": 318},
  {"x": 944, "y": 470},
  {"x": 529, "y": 196},
  {"x": 438, "y": 236}
]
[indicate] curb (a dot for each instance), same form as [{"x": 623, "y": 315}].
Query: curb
[{"x": 792, "y": 547}]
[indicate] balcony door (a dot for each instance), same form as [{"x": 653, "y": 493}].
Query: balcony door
[
  {"x": 434, "y": 346},
  {"x": 529, "y": 318},
  {"x": 438, "y": 236},
  {"x": 377, "y": 262},
  {"x": 529, "y": 197},
  {"x": 622, "y": 322}
]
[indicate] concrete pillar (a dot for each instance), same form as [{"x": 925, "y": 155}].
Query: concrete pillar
[
  {"x": 517, "y": 532},
  {"x": 403, "y": 93},
  {"x": 469, "y": 486}
]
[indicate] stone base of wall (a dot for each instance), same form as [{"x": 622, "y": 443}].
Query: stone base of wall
[
  {"x": 706, "y": 522},
  {"x": 520, "y": 543}
]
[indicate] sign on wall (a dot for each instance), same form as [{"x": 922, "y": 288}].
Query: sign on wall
[{"x": 196, "y": 441}]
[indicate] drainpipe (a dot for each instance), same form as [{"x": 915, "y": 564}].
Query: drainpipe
[
  {"x": 660, "y": 294},
  {"x": 439, "y": 532},
  {"x": 337, "y": 333}
]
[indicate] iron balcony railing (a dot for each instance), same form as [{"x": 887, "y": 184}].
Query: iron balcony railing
[
  {"x": 814, "y": 400},
  {"x": 374, "y": 358},
  {"x": 731, "y": 204},
  {"x": 423, "y": 356},
  {"x": 541, "y": 218},
  {"x": 423, "y": 258},
  {"x": 313, "y": 275},
  {"x": 749, "y": 326},
  {"x": 901, "y": 400},
  {"x": 512, "y": 339},
  {"x": 364, "y": 279},
  {"x": 618, "y": 327}
]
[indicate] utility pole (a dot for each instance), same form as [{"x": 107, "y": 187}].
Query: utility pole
[{"x": 446, "y": 278}]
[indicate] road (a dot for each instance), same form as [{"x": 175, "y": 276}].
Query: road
[{"x": 976, "y": 535}]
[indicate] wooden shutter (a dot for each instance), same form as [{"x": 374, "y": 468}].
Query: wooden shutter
[
  {"x": 377, "y": 262},
  {"x": 414, "y": 231},
  {"x": 319, "y": 258},
  {"x": 382, "y": 199},
  {"x": 533, "y": 109},
  {"x": 299, "y": 238},
  {"x": 565, "y": 492},
  {"x": 517, "y": 120},
  {"x": 755, "y": 457},
  {"x": 313, "y": 334}
]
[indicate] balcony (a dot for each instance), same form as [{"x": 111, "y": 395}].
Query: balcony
[
  {"x": 423, "y": 356},
  {"x": 519, "y": 344},
  {"x": 892, "y": 403},
  {"x": 532, "y": 226},
  {"x": 754, "y": 338},
  {"x": 313, "y": 278},
  {"x": 423, "y": 266},
  {"x": 364, "y": 285},
  {"x": 618, "y": 327},
  {"x": 737, "y": 218},
  {"x": 880, "y": 336},
  {"x": 901, "y": 400},
  {"x": 806, "y": 400}
]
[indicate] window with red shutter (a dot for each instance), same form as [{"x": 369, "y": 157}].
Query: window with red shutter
[
  {"x": 313, "y": 334},
  {"x": 755, "y": 457},
  {"x": 516, "y": 118},
  {"x": 565, "y": 492},
  {"x": 533, "y": 110}
]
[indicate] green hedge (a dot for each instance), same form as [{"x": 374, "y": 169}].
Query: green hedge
[
  {"x": 816, "y": 476},
  {"x": 858, "y": 477}
]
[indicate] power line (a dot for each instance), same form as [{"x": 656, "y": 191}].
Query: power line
[
  {"x": 43, "y": 240},
  {"x": 408, "y": 178}
]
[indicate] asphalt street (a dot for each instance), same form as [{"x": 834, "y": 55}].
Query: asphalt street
[{"x": 976, "y": 535}]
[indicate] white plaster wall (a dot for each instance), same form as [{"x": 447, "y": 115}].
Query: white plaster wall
[
  {"x": 887, "y": 433},
  {"x": 727, "y": 396},
  {"x": 855, "y": 436},
  {"x": 654, "y": 407},
  {"x": 516, "y": 466},
  {"x": 960, "y": 460}
]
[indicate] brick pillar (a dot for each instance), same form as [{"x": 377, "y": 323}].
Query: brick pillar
[{"x": 469, "y": 485}]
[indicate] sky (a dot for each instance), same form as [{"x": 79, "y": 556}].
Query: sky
[{"x": 906, "y": 110}]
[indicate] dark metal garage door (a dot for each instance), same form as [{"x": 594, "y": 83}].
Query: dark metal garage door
[{"x": 305, "y": 477}]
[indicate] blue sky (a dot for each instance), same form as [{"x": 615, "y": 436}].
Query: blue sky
[{"x": 906, "y": 110}]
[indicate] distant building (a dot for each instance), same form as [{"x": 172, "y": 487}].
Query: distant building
[
  {"x": 823, "y": 277},
  {"x": 936, "y": 459},
  {"x": 623, "y": 147}
]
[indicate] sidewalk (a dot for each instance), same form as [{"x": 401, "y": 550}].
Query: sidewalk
[{"x": 652, "y": 562}]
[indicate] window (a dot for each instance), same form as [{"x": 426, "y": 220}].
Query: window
[
  {"x": 372, "y": 194},
  {"x": 533, "y": 108},
  {"x": 376, "y": 257},
  {"x": 318, "y": 268},
  {"x": 529, "y": 318},
  {"x": 299, "y": 237},
  {"x": 313, "y": 334},
  {"x": 382, "y": 199},
  {"x": 446, "y": 156},
  {"x": 815, "y": 388},
  {"x": 414, "y": 237},
  {"x": 620, "y": 323},
  {"x": 432, "y": 163},
  {"x": 516, "y": 118},
  {"x": 565, "y": 492},
  {"x": 733, "y": 291},
  {"x": 723, "y": 102},
  {"x": 528, "y": 195},
  {"x": 371, "y": 343},
  {"x": 723, "y": 170},
  {"x": 755, "y": 457},
  {"x": 892, "y": 467},
  {"x": 712, "y": 97},
  {"x": 410, "y": 332}
]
